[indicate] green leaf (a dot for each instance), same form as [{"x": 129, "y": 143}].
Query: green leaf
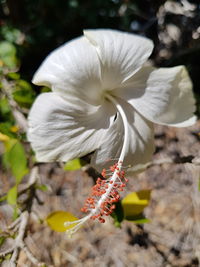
[
  {"x": 138, "y": 219},
  {"x": 5, "y": 128},
  {"x": 12, "y": 196},
  {"x": 45, "y": 89},
  {"x": 74, "y": 164},
  {"x": 11, "y": 34},
  {"x": 7, "y": 49},
  {"x": 2, "y": 240},
  {"x": 8, "y": 54},
  {"x": 24, "y": 94},
  {"x": 22, "y": 84},
  {"x": 3, "y": 198},
  {"x": 118, "y": 214},
  {"x": 18, "y": 161},
  {"x": 199, "y": 185},
  {"x": 4, "y": 106},
  {"x": 15, "y": 158},
  {"x": 56, "y": 220},
  {"x": 135, "y": 202},
  {"x": 5, "y": 115},
  {"x": 24, "y": 98},
  {"x": 13, "y": 75},
  {"x": 41, "y": 187},
  {"x": 15, "y": 214},
  {"x": 8, "y": 145}
]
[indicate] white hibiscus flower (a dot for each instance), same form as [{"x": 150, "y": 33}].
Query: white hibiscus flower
[{"x": 105, "y": 100}]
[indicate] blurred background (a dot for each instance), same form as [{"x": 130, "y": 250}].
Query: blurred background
[
  {"x": 29, "y": 31},
  {"x": 37, "y": 27}
]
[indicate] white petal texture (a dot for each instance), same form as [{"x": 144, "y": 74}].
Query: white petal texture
[
  {"x": 163, "y": 96},
  {"x": 140, "y": 141},
  {"x": 95, "y": 78},
  {"x": 120, "y": 54},
  {"x": 60, "y": 130},
  {"x": 73, "y": 70}
]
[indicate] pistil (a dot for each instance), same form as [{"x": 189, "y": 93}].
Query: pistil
[{"x": 105, "y": 193}]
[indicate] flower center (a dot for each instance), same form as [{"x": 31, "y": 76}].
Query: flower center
[{"x": 106, "y": 191}]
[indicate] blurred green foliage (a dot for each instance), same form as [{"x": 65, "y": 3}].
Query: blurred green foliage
[
  {"x": 8, "y": 54},
  {"x": 14, "y": 159}
]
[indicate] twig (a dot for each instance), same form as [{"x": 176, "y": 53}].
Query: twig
[
  {"x": 20, "y": 226},
  {"x": 18, "y": 115},
  {"x": 31, "y": 182},
  {"x": 24, "y": 187},
  {"x": 178, "y": 160},
  {"x": 31, "y": 257},
  {"x": 22, "y": 222},
  {"x": 19, "y": 243}
]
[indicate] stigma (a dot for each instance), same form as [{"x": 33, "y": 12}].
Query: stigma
[{"x": 105, "y": 193}]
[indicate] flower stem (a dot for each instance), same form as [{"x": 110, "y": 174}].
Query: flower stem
[{"x": 125, "y": 123}]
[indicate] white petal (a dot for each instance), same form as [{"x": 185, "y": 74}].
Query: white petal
[
  {"x": 121, "y": 54},
  {"x": 163, "y": 96},
  {"x": 61, "y": 131},
  {"x": 134, "y": 88},
  {"x": 72, "y": 70},
  {"x": 140, "y": 143}
]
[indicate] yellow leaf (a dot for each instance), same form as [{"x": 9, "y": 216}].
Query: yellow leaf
[
  {"x": 14, "y": 129},
  {"x": 56, "y": 220},
  {"x": 134, "y": 203},
  {"x": 4, "y": 137}
]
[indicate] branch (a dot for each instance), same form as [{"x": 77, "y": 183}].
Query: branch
[
  {"x": 25, "y": 187},
  {"x": 178, "y": 160},
  {"x": 19, "y": 243},
  {"x": 16, "y": 110},
  {"x": 20, "y": 226}
]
